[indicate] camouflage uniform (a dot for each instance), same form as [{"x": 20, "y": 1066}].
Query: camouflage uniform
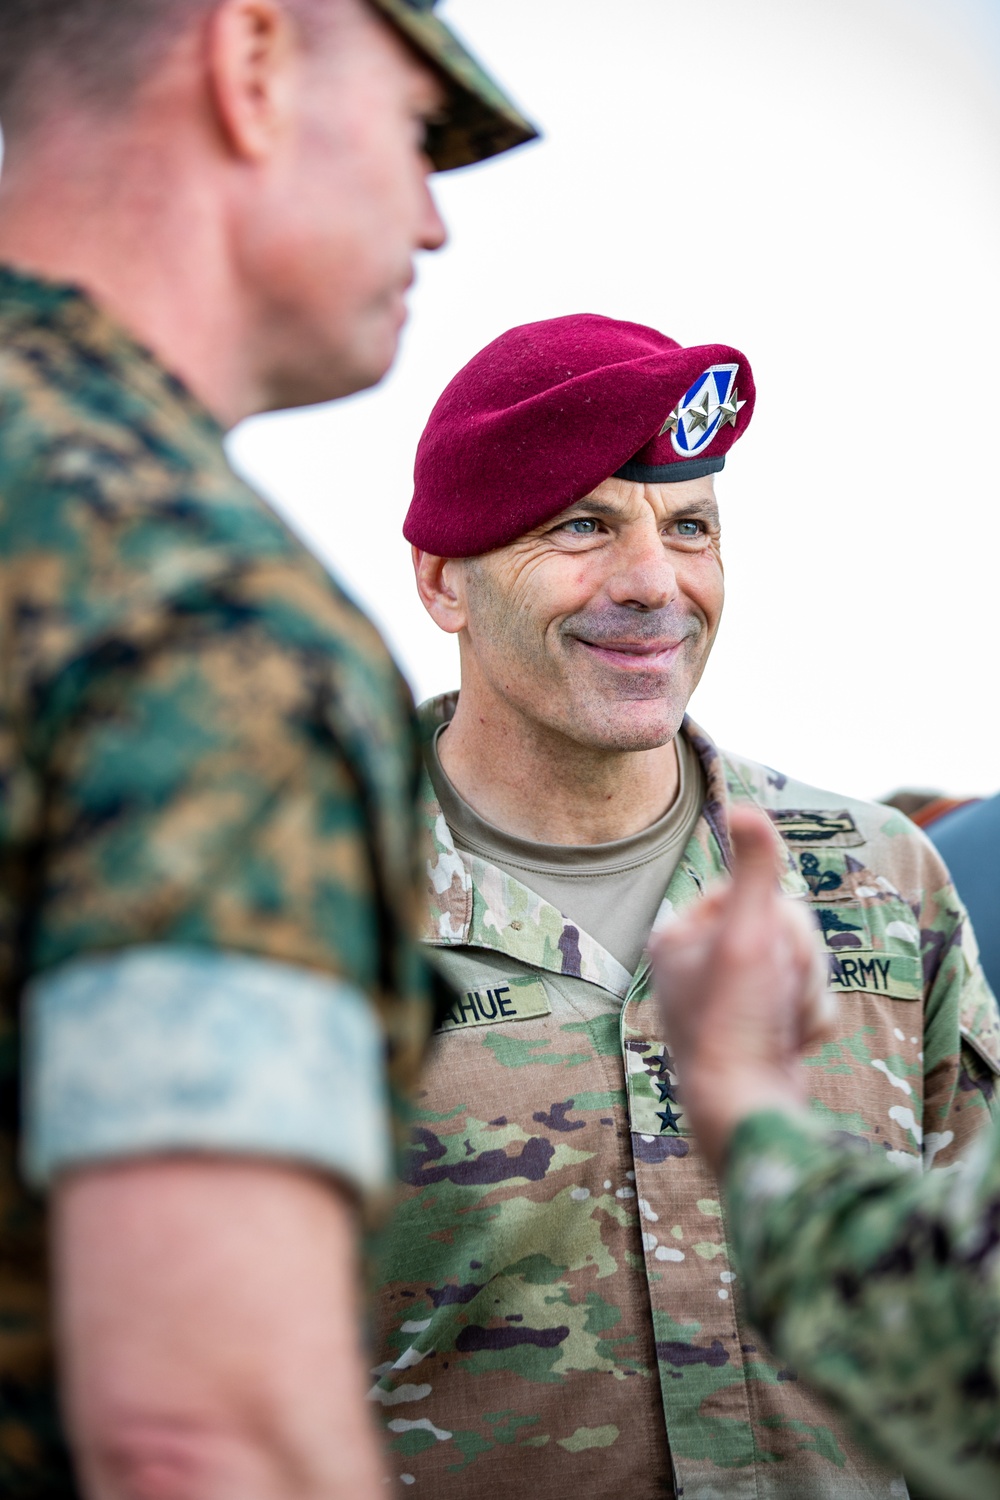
[
  {"x": 557, "y": 1298},
  {"x": 884, "y": 1293},
  {"x": 479, "y": 120},
  {"x": 209, "y": 766}
]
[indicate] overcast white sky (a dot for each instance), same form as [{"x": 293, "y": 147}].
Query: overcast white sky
[{"x": 815, "y": 181}]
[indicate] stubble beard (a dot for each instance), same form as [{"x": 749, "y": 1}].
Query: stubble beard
[
  {"x": 587, "y": 702},
  {"x": 615, "y": 700}
]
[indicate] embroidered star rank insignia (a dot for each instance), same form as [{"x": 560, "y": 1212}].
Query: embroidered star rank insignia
[
  {"x": 662, "y": 1063},
  {"x": 669, "y": 1118}
]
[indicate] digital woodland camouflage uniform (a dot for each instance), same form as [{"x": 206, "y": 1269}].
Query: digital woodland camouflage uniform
[
  {"x": 885, "y": 1294},
  {"x": 209, "y": 766},
  {"x": 557, "y": 1297}
]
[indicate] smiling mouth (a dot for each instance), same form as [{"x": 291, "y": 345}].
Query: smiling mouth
[{"x": 640, "y": 654}]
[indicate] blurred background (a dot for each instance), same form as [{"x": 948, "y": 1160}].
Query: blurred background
[{"x": 815, "y": 181}]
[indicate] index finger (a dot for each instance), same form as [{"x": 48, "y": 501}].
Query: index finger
[{"x": 757, "y": 867}]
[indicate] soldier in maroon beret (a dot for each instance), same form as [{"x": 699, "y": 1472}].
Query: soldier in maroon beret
[{"x": 559, "y": 1315}]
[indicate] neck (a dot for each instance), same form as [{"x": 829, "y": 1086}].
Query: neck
[
  {"x": 535, "y": 783},
  {"x": 120, "y": 216}
]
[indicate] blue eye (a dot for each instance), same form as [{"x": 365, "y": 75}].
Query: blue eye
[
  {"x": 585, "y": 526},
  {"x": 689, "y": 528}
]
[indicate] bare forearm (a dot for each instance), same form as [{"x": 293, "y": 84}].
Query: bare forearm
[{"x": 208, "y": 1332}]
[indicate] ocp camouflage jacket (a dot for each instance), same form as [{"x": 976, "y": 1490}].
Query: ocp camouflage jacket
[{"x": 557, "y": 1314}]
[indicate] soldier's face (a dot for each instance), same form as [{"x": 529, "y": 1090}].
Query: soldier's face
[
  {"x": 346, "y": 205},
  {"x": 598, "y": 625}
]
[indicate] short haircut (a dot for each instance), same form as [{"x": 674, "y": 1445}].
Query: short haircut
[{"x": 91, "y": 52}]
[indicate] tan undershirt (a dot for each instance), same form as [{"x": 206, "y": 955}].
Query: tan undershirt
[{"x": 611, "y": 891}]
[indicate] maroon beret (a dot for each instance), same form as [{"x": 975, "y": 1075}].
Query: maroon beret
[{"x": 537, "y": 419}]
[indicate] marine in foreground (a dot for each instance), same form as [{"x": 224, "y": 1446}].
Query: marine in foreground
[
  {"x": 207, "y": 758},
  {"x": 558, "y": 1310}
]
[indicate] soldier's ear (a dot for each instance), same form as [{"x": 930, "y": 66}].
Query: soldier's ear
[
  {"x": 252, "y": 59},
  {"x": 440, "y": 584}
]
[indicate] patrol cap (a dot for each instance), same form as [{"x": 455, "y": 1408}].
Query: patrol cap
[
  {"x": 479, "y": 120},
  {"x": 540, "y": 417}
]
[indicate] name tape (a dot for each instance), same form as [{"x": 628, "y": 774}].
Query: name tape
[{"x": 512, "y": 1000}]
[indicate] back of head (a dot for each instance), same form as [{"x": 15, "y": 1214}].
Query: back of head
[
  {"x": 259, "y": 166},
  {"x": 92, "y": 53},
  {"x": 95, "y": 53}
]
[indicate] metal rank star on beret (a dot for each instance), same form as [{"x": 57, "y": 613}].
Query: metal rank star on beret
[{"x": 548, "y": 411}]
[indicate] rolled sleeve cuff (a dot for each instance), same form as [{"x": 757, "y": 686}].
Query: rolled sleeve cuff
[{"x": 162, "y": 1049}]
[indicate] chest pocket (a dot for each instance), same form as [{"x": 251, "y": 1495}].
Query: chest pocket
[
  {"x": 872, "y": 949},
  {"x": 873, "y": 945},
  {"x": 868, "y": 1080}
]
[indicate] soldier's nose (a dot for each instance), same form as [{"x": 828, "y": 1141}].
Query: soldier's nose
[{"x": 646, "y": 578}]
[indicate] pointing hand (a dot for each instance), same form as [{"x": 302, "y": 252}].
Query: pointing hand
[{"x": 743, "y": 988}]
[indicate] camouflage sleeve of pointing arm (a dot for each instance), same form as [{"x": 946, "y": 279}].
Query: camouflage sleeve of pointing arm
[
  {"x": 221, "y": 958},
  {"x": 961, "y": 1020},
  {"x": 882, "y": 1289}
]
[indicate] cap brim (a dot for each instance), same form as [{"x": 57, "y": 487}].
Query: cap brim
[{"x": 480, "y": 120}]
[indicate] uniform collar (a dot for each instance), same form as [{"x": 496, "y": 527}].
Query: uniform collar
[{"x": 472, "y": 903}]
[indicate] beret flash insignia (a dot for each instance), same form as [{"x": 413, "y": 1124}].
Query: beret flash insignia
[{"x": 704, "y": 409}]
